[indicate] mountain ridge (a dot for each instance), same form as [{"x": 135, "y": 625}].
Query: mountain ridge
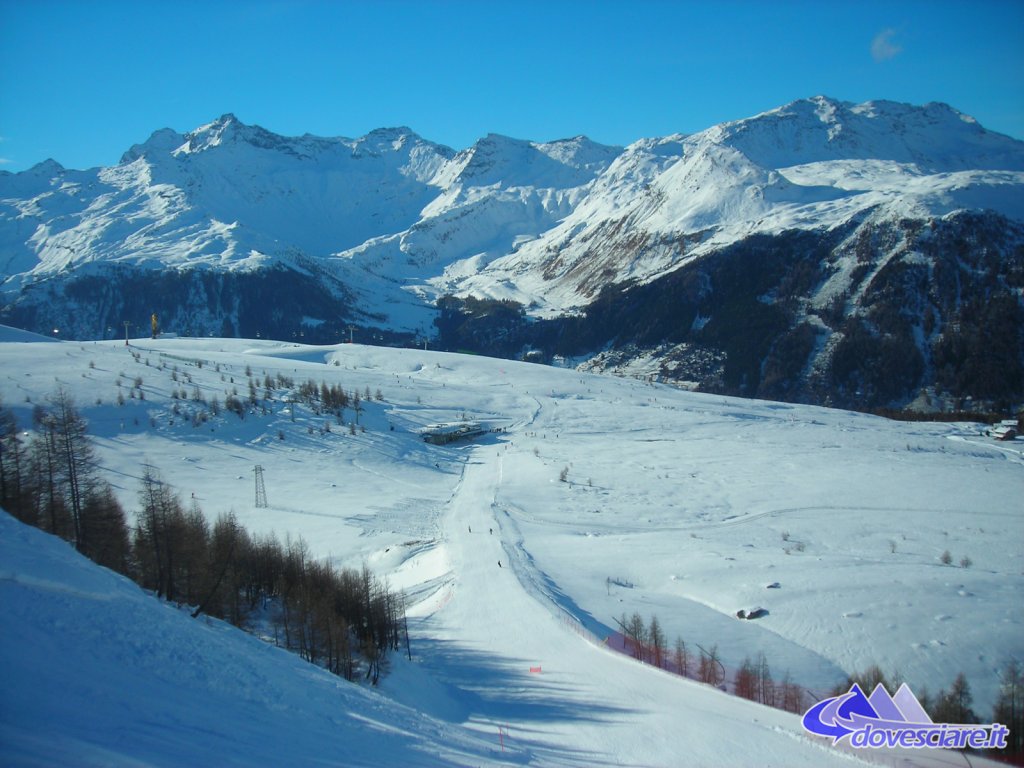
[{"x": 393, "y": 222}]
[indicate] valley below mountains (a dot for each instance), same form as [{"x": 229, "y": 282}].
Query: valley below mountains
[{"x": 866, "y": 256}]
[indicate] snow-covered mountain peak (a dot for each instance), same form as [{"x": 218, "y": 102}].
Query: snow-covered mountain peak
[
  {"x": 580, "y": 152},
  {"x": 935, "y": 137},
  {"x": 224, "y": 121},
  {"x": 403, "y": 149},
  {"x": 32, "y": 182},
  {"x": 490, "y": 157},
  {"x": 209, "y": 135},
  {"x": 501, "y": 160},
  {"x": 228, "y": 129},
  {"x": 400, "y": 220},
  {"x": 48, "y": 167},
  {"x": 387, "y": 138},
  {"x": 161, "y": 142},
  {"x": 46, "y": 170}
]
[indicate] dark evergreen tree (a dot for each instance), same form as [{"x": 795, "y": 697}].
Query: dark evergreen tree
[
  {"x": 1009, "y": 709},
  {"x": 656, "y": 639},
  {"x": 50, "y": 510},
  {"x": 791, "y": 695},
  {"x": 106, "y": 539},
  {"x": 76, "y": 457},
  {"x": 745, "y": 680},
  {"x": 766, "y": 693},
  {"x": 12, "y": 468},
  {"x": 681, "y": 657},
  {"x": 161, "y": 544},
  {"x": 954, "y": 706}
]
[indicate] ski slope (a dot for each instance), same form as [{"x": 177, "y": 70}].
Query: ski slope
[{"x": 676, "y": 504}]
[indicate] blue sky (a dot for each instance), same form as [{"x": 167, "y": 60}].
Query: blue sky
[{"x": 82, "y": 81}]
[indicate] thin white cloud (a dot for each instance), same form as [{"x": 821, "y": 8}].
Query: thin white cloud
[{"x": 883, "y": 47}]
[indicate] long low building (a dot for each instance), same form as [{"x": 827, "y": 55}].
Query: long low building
[{"x": 440, "y": 434}]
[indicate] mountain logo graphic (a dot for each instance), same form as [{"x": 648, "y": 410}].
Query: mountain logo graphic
[
  {"x": 881, "y": 720},
  {"x": 840, "y": 716}
]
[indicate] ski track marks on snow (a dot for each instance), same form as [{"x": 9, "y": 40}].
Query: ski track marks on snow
[{"x": 676, "y": 504}]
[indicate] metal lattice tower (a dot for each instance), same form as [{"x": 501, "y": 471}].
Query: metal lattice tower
[{"x": 261, "y": 490}]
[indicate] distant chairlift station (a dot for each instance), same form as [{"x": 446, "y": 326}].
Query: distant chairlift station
[{"x": 441, "y": 434}]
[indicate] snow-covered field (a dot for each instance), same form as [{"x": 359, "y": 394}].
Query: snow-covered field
[{"x": 677, "y": 504}]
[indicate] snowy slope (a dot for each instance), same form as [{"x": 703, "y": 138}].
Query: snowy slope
[
  {"x": 691, "y": 503},
  {"x": 99, "y": 673},
  {"x": 812, "y": 164}
]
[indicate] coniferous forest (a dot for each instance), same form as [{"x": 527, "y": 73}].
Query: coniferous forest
[{"x": 342, "y": 619}]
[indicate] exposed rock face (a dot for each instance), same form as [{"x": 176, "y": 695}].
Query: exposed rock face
[{"x": 867, "y": 316}]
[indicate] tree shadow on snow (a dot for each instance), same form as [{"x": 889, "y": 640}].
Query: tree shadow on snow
[{"x": 458, "y": 684}]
